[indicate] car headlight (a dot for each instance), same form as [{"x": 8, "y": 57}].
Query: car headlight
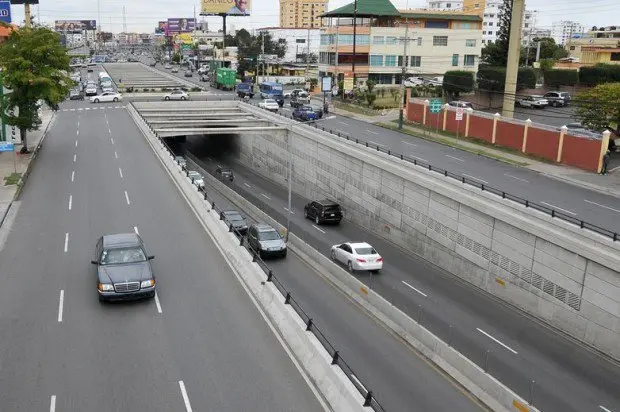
[
  {"x": 147, "y": 283},
  {"x": 105, "y": 287}
]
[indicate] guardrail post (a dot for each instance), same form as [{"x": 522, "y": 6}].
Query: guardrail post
[
  {"x": 486, "y": 360},
  {"x": 205, "y": 194},
  {"x": 287, "y": 299},
  {"x": 253, "y": 255},
  {"x": 269, "y": 275},
  {"x": 309, "y": 325},
  {"x": 335, "y": 358},
  {"x": 368, "y": 399},
  {"x": 531, "y": 400},
  {"x": 230, "y": 228}
]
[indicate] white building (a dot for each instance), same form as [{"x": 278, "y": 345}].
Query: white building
[
  {"x": 445, "y": 4},
  {"x": 491, "y": 23},
  {"x": 563, "y": 30},
  {"x": 299, "y": 42}
]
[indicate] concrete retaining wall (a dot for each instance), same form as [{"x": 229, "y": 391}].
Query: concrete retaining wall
[{"x": 549, "y": 268}]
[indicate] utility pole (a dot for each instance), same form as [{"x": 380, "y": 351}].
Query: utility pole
[
  {"x": 538, "y": 51},
  {"x": 27, "y": 15},
  {"x": 512, "y": 67},
  {"x": 262, "y": 51},
  {"x": 124, "y": 21},
  {"x": 403, "y": 75},
  {"x": 308, "y": 55},
  {"x": 354, "y": 40}
]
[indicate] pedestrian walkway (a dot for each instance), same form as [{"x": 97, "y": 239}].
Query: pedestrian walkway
[{"x": 13, "y": 166}]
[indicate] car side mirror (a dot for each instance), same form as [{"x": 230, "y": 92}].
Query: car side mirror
[
  {"x": 151, "y": 257},
  {"x": 94, "y": 262}
]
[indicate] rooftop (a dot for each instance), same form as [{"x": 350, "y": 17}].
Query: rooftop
[
  {"x": 365, "y": 8},
  {"x": 436, "y": 14}
]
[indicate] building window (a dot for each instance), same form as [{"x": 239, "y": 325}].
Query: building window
[
  {"x": 448, "y": 5},
  {"x": 390, "y": 61},
  {"x": 484, "y": 23},
  {"x": 490, "y": 23},
  {"x": 440, "y": 40},
  {"x": 491, "y": 15},
  {"x": 484, "y": 42},
  {"x": 415, "y": 61},
  {"x": 300, "y": 41},
  {"x": 419, "y": 41},
  {"x": 437, "y": 24},
  {"x": 527, "y": 25},
  {"x": 376, "y": 60},
  {"x": 490, "y": 33},
  {"x": 325, "y": 39},
  {"x": 615, "y": 57},
  {"x": 572, "y": 47},
  {"x": 486, "y": 15},
  {"x": 455, "y": 60},
  {"x": 469, "y": 60},
  {"x": 378, "y": 40},
  {"x": 470, "y": 43},
  {"x": 484, "y": 32},
  {"x": 363, "y": 39},
  {"x": 391, "y": 40},
  {"x": 400, "y": 61}
]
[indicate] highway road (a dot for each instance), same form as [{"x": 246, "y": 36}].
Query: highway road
[
  {"x": 568, "y": 377},
  {"x": 201, "y": 345}
]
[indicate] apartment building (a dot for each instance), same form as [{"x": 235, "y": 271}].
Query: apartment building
[
  {"x": 302, "y": 13},
  {"x": 299, "y": 42},
  {"x": 563, "y": 30},
  {"x": 445, "y": 4},
  {"x": 596, "y": 46},
  {"x": 490, "y": 11},
  {"x": 436, "y": 41}
]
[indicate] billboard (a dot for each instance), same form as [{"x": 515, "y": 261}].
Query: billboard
[
  {"x": 161, "y": 27},
  {"x": 5, "y": 11},
  {"x": 229, "y": 7},
  {"x": 24, "y": 1},
  {"x": 75, "y": 25},
  {"x": 180, "y": 25}
]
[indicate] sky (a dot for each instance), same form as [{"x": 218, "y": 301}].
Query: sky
[{"x": 142, "y": 15}]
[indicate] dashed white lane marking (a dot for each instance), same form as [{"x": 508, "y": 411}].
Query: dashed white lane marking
[
  {"x": 74, "y": 158},
  {"x": 329, "y": 117},
  {"x": 358, "y": 382},
  {"x": 80, "y": 109},
  {"x": 600, "y": 205},
  {"x": 476, "y": 178},
  {"x": 115, "y": 155},
  {"x": 558, "y": 208},
  {"x": 72, "y": 110},
  {"x": 110, "y": 132},
  {"x": 135, "y": 229},
  {"x": 127, "y": 198},
  {"x": 516, "y": 178},
  {"x": 413, "y": 288},
  {"x": 120, "y": 172},
  {"x": 77, "y": 132},
  {"x": 375, "y": 143},
  {"x": 188, "y": 406},
  {"x": 496, "y": 341},
  {"x": 409, "y": 143},
  {"x": 66, "y": 242},
  {"x": 112, "y": 140},
  {"x": 370, "y": 131},
  {"x": 53, "y": 403},
  {"x": 61, "y": 303},
  {"x": 246, "y": 184},
  {"x": 318, "y": 228},
  {"x": 72, "y": 175},
  {"x": 265, "y": 196},
  {"x": 344, "y": 123},
  {"x": 70, "y": 201},
  {"x": 87, "y": 108},
  {"x": 419, "y": 158},
  {"x": 157, "y": 303},
  {"x": 286, "y": 208},
  {"x": 76, "y": 143},
  {"x": 455, "y": 158},
  {"x": 604, "y": 408}
]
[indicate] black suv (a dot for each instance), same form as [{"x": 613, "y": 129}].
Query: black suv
[
  {"x": 556, "y": 99},
  {"x": 323, "y": 211},
  {"x": 265, "y": 240},
  {"x": 225, "y": 173}
]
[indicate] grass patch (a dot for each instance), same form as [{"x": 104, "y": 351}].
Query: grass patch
[
  {"x": 449, "y": 140},
  {"x": 354, "y": 108},
  {"x": 12, "y": 179}
]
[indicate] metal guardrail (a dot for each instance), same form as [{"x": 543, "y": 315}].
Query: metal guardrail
[
  {"x": 369, "y": 399},
  {"x": 614, "y": 236}
]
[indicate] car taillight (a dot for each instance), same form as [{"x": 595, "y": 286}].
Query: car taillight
[
  {"x": 379, "y": 260},
  {"x": 361, "y": 260}
]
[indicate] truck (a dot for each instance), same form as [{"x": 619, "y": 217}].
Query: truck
[
  {"x": 245, "y": 89},
  {"x": 225, "y": 79}
]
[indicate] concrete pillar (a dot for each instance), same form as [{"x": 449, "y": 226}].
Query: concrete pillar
[
  {"x": 426, "y": 103},
  {"x": 514, "y": 49},
  {"x": 563, "y": 131},
  {"x": 445, "y": 116},
  {"x": 604, "y": 148},
  {"x": 528, "y": 123},
  {"x": 496, "y": 117},
  {"x": 468, "y": 113}
]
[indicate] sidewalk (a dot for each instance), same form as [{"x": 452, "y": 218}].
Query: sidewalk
[
  {"x": 9, "y": 162},
  {"x": 609, "y": 184}
]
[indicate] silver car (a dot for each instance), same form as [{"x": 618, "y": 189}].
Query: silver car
[
  {"x": 196, "y": 178},
  {"x": 177, "y": 95},
  {"x": 266, "y": 241}
]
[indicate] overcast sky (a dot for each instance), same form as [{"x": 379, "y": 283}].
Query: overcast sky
[{"x": 142, "y": 15}]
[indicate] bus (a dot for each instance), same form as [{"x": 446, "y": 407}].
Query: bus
[
  {"x": 272, "y": 90},
  {"x": 104, "y": 78}
]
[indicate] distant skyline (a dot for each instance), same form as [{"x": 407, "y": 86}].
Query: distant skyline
[{"x": 143, "y": 15}]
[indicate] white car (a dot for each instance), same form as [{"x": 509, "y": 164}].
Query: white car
[
  {"x": 534, "y": 101},
  {"x": 288, "y": 93},
  {"x": 435, "y": 81},
  {"x": 107, "y": 97},
  {"x": 414, "y": 82},
  {"x": 177, "y": 95},
  {"x": 196, "y": 178},
  {"x": 269, "y": 104},
  {"x": 175, "y": 70},
  {"x": 357, "y": 256},
  {"x": 90, "y": 90}
]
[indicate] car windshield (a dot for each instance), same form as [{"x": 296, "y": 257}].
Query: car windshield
[
  {"x": 269, "y": 235},
  {"x": 122, "y": 255},
  {"x": 365, "y": 251},
  {"x": 270, "y": 101},
  {"x": 234, "y": 217}
]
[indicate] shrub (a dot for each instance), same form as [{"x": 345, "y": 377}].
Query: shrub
[
  {"x": 556, "y": 77},
  {"x": 494, "y": 78},
  {"x": 370, "y": 98},
  {"x": 195, "y": 89},
  {"x": 601, "y": 73},
  {"x": 458, "y": 81}
]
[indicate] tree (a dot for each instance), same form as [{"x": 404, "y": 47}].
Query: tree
[
  {"x": 548, "y": 50},
  {"x": 496, "y": 53},
  {"x": 370, "y": 84},
  {"x": 176, "y": 57},
  {"x": 35, "y": 66},
  {"x": 370, "y": 98},
  {"x": 599, "y": 107},
  {"x": 250, "y": 47},
  {"x": 458, "y": 81}
]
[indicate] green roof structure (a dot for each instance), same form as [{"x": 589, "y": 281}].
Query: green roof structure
[{"x": 365, "y": 8}]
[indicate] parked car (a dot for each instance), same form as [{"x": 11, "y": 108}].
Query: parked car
[
  {"x": 107, "y": 97},
  {"x": 266, "y": 241},
  {"x": 76, "y": 94},
  {"x": 123, "y": 268},
  {"x": 414, "y": 81},
  {"x": 558, "y": 98},
  {"x": 579, "y": 129},
  {"x": 177, "y": 95},
  {"x": 323, "y": 211},
  {"x": 434, "y": 81},
  {"x": 225, "y": 173},
  {"x": 269, "y": 104},
  {"x": 461, "y": 103},
  {"x": 535, "y": 101},
  {"x": 305, "y": 114},
  {"x": 188, "y": 73},
  {"x": 196, "y": 178},
  {"x": 300, "y": 99},
  {"x": 181, "y": 161},
  {"x": 234, "y": 218},
  {"x": 90, "y": 89},
  {"x": 357, "y": 256}
]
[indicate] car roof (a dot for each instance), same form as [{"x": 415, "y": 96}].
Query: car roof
[
  {"x": 263, "y": 227},
  {"x": 231, "y": 212},
  {"x": 326, "y": 202},
  {"x": 121, "y": 240},
  {"x": 358, "y": 244}
]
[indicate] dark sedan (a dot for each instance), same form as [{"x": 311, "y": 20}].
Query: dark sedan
[
  {"x": 234, "y": 218},
  {"x": 225, "y": 173},
  {"x": 305, "y": 114},
  {"x": 123, "y": 268}
]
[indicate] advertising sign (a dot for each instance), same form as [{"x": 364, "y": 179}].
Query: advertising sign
[
  {"x": 5, "y": 11},
  {"x": 229, "y": 7},
  {"x": 326, "y": 84},
  {"x": 161, "y": 27},
  {"x": 7, "y": 147},
  {"x": 180, "y": 25},
  {"x": 459, "y": 113},
  {"x": 348, "y": 81},
  {"x": 75, "y": 25},
  {"x": 24, "y": 1}
]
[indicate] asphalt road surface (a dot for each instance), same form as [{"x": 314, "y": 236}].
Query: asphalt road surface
[
  {"x": 200, "y": 344},
  {"x": 568, "y": 377}
]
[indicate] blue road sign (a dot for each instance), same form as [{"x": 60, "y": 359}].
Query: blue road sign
[
  {"x": 5, "y": 11},
  {"x": 435, "y": 105},
  {"x": 7, "y": 147}
]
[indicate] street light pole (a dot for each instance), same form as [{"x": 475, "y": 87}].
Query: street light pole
[
  {"x": 289, "y": 147},
  {"x": 402, "y": 78},
  {"x": 354, "y": 40}
]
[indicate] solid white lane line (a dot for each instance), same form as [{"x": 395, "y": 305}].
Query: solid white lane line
[
  {"x": 53, "y": 403},
  {"x": 370, "y": 131},
  {"x": 417, "y": 290},
  {"x": 455, "y": 158},
  {"x": 286, "y": 208},
  {"x": 604, "y": 408},
  {"x": 135, "y": 229},
  {"x": 61, "y": 303},
  {"x": 74, "y": 158},
  {"x": 613, "y": 169},
  {"x": 115, "y": 155},
  {"x": 120, "y": 172},
  {"x": 66, "y": 242},
  {"x": 340, "y": 131},
  {"x": 70, "y": 201},
  {"x": 603, "y": 206},
  {"x": 516, "y": 178},
  {"x": 110, "y": 132},
  {"x": 246, "y": 184},
  {"x": 375, "y": 143},
  {"x": 76, "y": 143},
  {"x": 318, "y": 228},
  {"x": 157, "y": 303},
  {"x": 265, "y": 196},
  {"x": 496, "y": 341},
  {"x": 72, "y": 175},
  {"x": 77, "y": 132},
  {"x": 409, "y": 143},
  {"x": 344, "y": 123},
  {"x": 358, "y": 382},
  {"x": 419, "y": 158},
  {"x": 476, "y": 178},
  {"x": 559, "y": 208},
  {"x": 188, "y": 407},
  {"x": 127, "y": 198}
]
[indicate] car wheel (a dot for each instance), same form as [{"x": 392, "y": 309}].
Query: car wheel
[
  {"x": 350, "y": 267},
  {"x": 115, "y": 99},
  {"x": 167, "y": 98},
  {"x": 316, "y": 220},
  {"x": 182, "y": 97},
  {"x": 96, "y": 100}
]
